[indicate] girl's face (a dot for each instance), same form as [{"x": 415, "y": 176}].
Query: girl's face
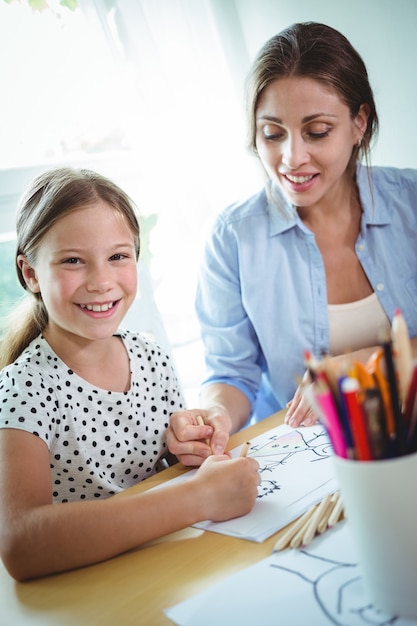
[
  {"x": 86, "y": 272},
  {"x": 305, "y": 137}
]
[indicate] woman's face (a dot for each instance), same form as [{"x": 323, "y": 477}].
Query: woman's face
[{"x": 304, "y": 137}]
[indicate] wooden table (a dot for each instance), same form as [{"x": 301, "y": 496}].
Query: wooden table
[{"x": 135, "y": 588}]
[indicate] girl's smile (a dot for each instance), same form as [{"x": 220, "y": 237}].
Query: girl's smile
[{"x": 87, "y": 282}]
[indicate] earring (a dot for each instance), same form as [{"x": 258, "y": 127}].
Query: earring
[{"x": 359, "y": 141}]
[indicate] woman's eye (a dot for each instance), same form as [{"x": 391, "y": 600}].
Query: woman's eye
[
  {"x": 272, "y": 132},
  {"x": 319, "y": 135},
  {"x": 319, "y": 132},
  {"x": 117, "y": 257}
]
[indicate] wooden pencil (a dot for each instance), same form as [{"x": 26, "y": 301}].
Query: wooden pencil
[
  {"x": 403, "y": 355},
  {"x": 311, "y": 528},
  {"x": 336, "y": 513},
  {"x": 324, "y": 522},
  {"x": 284, "y": 540},
  {"x": 297, "y": 540},
  {"x": 245, "y": 448},
  {"x": 328, "y": 513},
  {"x": 201, "y": 422}
]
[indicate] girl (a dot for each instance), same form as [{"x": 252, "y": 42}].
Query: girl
[{"x": 84, "y": 406}]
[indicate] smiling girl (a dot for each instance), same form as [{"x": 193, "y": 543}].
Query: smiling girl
[{"x": 84, "y": 406}]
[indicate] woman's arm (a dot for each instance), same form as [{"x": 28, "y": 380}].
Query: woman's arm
[{"x": 38, "y": 537}]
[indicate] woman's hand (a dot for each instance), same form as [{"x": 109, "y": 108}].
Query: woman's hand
[
  {"x": 300, "y": 411},
  {"x": 196, "y": 434}
]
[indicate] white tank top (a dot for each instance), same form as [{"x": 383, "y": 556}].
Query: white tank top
[{"x": 356, "y": 325}]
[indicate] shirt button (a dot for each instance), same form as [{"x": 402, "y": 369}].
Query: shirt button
[
  {"x": 360, "y": 247},
  {"x": 380, "y": 286}
]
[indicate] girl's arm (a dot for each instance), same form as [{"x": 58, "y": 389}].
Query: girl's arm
[{"x": 39, "y": 538}]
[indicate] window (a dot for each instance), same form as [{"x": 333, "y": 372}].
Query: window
[{"x": 154, "y": 106}]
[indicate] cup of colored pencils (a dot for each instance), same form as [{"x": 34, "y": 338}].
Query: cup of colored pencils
[{"x": 370, "y": 413}]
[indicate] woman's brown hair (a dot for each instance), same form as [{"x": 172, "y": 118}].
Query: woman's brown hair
[{"x": 320, "y": 52}]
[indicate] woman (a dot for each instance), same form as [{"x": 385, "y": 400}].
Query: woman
[{"x": 320, "y": 258}]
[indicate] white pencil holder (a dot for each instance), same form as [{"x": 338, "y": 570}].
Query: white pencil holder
[{"x": 380, "y": 501}]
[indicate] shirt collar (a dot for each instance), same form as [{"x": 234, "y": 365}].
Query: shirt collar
[
  {"x": 375, "y": 209},
  {"x": 283, "y": 215}
]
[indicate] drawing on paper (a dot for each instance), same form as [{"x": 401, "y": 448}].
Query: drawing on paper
[
  {"x": 288, "y": 444},
  {"x": 321, "y": 585},
  {"x": 296, "y": 468},
  {"x": 337, "y": 588},
  {"x": 280, "y": 448}
]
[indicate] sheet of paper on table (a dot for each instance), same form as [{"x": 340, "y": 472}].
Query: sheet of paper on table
[
  {"x": 320, "y": 585},
  {"x": 296, "y": 467}
]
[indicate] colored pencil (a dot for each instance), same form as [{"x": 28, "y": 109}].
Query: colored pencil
[
  {"x": 399, "y": 426},
  {"x": 350, "y": 389},
  {"x": 373, "y": 412},
  {"x": 403, "y": 356},
  {"x": 411, "y": 398},
  {"x": 331, "y": 418}
]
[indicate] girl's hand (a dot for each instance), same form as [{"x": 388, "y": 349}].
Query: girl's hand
[{"x": 227, "y": 487}]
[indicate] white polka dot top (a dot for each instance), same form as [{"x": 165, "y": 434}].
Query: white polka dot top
[{"x": 100, "y": 442}]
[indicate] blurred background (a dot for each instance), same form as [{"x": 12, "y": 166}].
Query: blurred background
[{"x": 150, "y": 93}]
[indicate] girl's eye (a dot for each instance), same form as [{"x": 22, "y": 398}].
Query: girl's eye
[
  {"x": 71, "y": 261},
  {"x": 118, "y": 257}
]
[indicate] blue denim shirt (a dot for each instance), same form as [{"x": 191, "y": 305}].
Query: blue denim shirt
[{"x": 261, "y": 297}]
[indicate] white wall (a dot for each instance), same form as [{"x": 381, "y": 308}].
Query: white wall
[{"x": 385, "y": 34}]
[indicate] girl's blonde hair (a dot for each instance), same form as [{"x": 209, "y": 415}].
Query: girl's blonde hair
[{"x": 51, "y": 196}]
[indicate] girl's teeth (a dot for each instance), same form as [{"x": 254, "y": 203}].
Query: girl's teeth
[{"x": 99, "y": 308}]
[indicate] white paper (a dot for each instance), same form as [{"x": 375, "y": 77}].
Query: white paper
[
  {"x": 296, "y": 467},
  {"x": 320, "y": 585}
]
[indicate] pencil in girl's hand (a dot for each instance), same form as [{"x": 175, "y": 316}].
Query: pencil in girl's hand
[{"x": 245, "y": 448}]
